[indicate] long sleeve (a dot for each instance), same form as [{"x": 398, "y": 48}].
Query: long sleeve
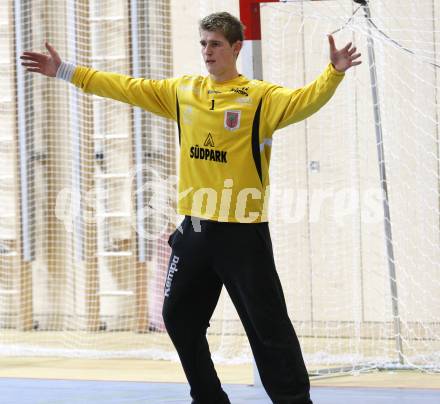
[
  {"x": 156, "y": 96},
  {"x": 283, "y": 106}
]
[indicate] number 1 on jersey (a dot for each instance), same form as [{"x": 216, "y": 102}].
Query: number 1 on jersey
[{"x": 212, "y": 105}]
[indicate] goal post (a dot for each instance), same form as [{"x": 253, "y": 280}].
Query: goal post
[
  {"x": 251, "y": 53},
  {"x": 384, "y": 184},
  {"x": 21, "y": 247}
]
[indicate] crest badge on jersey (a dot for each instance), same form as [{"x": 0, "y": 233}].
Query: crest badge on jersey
[{"x": 232, "y": 119}]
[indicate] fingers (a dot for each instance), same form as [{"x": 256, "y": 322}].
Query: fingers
[
  {"x": 332, "y": 44},
  {"x": 34, "y": 70},
  {"x": 33, "y": 56},
  {"x": 347, "y": 47},
  {"x": 30, "y": 64},
  {"x": 51, "y": 50},
  {"x": 331, "y": 41},
  {"x": 346, "y": 56},
  {"x": 40, "y": 56}
]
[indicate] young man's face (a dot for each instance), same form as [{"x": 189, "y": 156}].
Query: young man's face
[{"x": 218, "y": 54}]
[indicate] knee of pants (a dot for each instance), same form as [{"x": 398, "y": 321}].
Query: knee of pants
[
  {"x": 173, "y": 317},
  {"x": 276, "y": 337},
  {"x": 178, "y": 323},
  {"x": 170, "y": 316}
]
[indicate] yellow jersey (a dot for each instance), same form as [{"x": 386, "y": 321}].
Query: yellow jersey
[{"x": 225, "y": 132}]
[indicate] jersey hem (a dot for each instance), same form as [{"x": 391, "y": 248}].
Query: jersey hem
[{"x": 216, "y": 218}]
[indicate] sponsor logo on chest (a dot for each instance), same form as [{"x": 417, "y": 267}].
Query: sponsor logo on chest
[
  {"x": 241, "y": 90},
  {"x": 209, "y": 154}
]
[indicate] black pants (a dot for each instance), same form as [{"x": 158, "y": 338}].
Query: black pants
[{"x": 239, "y": 256}]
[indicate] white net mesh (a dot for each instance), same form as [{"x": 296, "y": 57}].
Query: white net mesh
[
  {"x": 328, "y": 219},
  {"x": 77, "y": 278}
]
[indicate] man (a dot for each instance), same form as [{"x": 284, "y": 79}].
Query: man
[{"x": 225, "y": 146}]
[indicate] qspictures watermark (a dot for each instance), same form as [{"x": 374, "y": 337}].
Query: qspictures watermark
[{"x": 158, "y": 195}]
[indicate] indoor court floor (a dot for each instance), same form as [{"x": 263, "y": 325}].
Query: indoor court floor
[
  {"x": 77, "y": 381},
  {"x": 34, "y": 391}
]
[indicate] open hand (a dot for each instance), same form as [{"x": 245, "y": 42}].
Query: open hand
[
  {"x": 39, "y": 63},
  {"x": 344, "y": 58}
]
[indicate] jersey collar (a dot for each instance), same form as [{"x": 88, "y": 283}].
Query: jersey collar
[{"x": 239, "y": 80}]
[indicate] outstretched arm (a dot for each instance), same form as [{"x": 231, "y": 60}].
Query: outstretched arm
[
  {"x": 40, "y": 63},
  {"x": 288, "y": 106},
  {"x": 157, "y": 96}
]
